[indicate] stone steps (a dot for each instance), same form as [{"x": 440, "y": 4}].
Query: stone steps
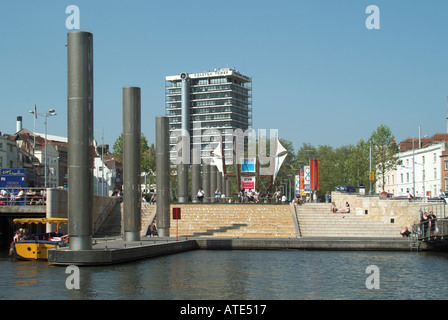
[
  {"x": 315, "y": 220},
  {"x": 234, "y": 221}
]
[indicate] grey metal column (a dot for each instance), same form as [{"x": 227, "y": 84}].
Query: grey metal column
[
  {"x": 183, "y": 164},
  {"x": 213, "y": 184},
  {"x": 228, "y": 189},
  {"x": 195, "y": 173},
  {"x": 223, "y": 184},
  {"x": 163, "y": 176},
  {"x": 131, "y": 163},
  {"x": 80, "y": 139},
  {"x": 183, "y": 145},
  {"x": 185, "y": 102},
  {"x": 219, "y": 182},
  {"x": 206, "y": 181}
]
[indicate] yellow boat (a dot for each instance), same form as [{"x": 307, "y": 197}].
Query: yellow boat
[{"x": 35, "y": 247}]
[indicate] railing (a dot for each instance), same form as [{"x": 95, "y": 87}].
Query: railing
[
  {"x": 431, "y": 230},
  {"x": 437, "y": 207},
  {"x": 23, "y": 196}
]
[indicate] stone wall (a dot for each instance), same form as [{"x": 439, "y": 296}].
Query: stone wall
[
  {"x": 57, "y": 205},
  {"x": 401, "y": 212}
]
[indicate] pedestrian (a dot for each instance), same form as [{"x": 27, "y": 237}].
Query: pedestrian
[
  {"x": 200, "y": 195},
  {"x": 432, "y": 223},
  {"x": 217, "y": 195},
  {"x": 424, "y": 224},
  {"x": 328, "y": 197},
  {"x": 442, "y": 196}
]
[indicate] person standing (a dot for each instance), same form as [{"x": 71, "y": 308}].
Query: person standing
[
  {"x": 442, "y": 196},
  {"x": 328, "y": 197},
  {"x": 432, "y": 223},
  {"x": 424, "y": 224}
]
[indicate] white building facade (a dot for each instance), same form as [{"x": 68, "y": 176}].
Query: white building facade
[{"x": 420, "y": 171}]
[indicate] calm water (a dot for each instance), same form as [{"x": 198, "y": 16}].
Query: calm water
[{"x": 235, "y": 275}]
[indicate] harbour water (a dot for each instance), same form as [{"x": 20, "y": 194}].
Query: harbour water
[{"x": 238, "y": 275}]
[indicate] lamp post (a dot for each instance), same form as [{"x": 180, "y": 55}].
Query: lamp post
[{"x": 50, "y": 113}]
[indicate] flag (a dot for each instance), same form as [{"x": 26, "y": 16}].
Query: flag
[
  {"x": 314, "y": 174},
  {"x": 35, "y": 111}
]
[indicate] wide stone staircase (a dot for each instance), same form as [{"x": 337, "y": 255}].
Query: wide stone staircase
[
  {"x": 316, "y": 220},
  {"x": 258, "y": 221},
  {"x": 233, "y": 220}
]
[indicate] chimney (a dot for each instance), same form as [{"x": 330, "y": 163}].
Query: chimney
[{"x": 19, "y": 124}]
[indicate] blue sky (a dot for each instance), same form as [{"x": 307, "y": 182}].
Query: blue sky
[{"x": 319, "y": 75}]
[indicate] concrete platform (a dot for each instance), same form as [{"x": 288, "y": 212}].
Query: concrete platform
[{"x": 115, "y": 251}]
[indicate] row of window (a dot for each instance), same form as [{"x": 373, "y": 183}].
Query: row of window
[
  {"x": 229, "y": 87},
  {"x": 220, "y": 124},
  {"x": 391, "y": 179},
  {"x": 219, "y": 103},
  {"x": 220, "y": 110},
  {"x": 218, "y": 95},
  {"x": 212, "y": 117}
]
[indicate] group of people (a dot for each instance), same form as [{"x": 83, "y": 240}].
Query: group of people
[
  {"x": 19, "y": 235},
  {"x": 336, "y": 210},
  {"x": 427, "y": 225},
  {"x": 218, "y": 195},
  {"x": 31, "y": 197},
  {"x": 428, "y": 222},
  {"x": 249, "y": 195}
]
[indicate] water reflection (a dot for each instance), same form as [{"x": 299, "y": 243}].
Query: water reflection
[{"x": 245, "y": 275}]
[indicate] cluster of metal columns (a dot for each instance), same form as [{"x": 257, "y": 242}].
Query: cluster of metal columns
[
  {"x": 204, "y": 176},
  {"x": 80, "y": 155},
  {"x": 80, "y": 146}
]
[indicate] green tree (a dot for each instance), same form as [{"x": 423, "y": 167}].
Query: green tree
[
  {"x": 385, "y": 153},
  {"x": 147, "y": 162},
  {"x": 358, "y": 164}
]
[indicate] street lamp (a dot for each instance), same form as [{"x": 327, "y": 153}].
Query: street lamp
[{"x": 50, "y": 113}]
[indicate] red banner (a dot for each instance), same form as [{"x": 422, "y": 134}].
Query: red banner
[
  {"x": 314, "y": 175},
  {"x": 302, "y": 180}
]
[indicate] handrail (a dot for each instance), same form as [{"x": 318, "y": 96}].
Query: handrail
[
  {"x": 30, "y": 196},
  {"x": 431, "y": 229}
]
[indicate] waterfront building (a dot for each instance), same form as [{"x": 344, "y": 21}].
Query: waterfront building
[
  {"x": 423, "y": 168},
  {"x": 420, "y": 171},
  {"x": 218, "y": 100}
]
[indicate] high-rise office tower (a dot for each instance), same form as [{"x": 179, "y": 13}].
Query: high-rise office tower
[{"x": 218, "y": 100}]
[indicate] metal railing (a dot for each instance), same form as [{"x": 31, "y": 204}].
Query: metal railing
[
  {"x": 432, "y": 229},
  {"x": 22, "y": 196}
]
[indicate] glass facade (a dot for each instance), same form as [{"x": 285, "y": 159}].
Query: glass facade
[{"x": 220, "y": 100}]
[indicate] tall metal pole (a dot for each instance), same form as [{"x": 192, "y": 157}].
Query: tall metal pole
[
  {"x": 195, "y": 173},
  {"x": 131, "y": 163},
  {"x": 370, "y": 167},
  {"x": 163, "y": 176},
  {"x": 183, "y": 156},
  {"x": 80, "y": 139},
  {"x": 213, "y": 182},
  {"x": 183, "y": 159},
  {"x": 206, "y": 181},
  {"x": 45, "y": 160}
]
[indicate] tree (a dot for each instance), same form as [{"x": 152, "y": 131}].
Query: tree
[
  {"x": 358, "y": 162},
  {"x": 147, "y": 162},
  {"x": 385, "y": 153}
]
